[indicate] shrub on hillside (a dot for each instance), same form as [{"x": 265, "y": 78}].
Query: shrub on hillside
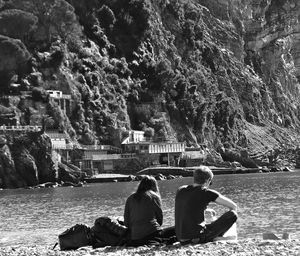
[
  {"x": 40, "y": 94},
  {"x": 106, "y": 17},
  {"x": 149, "y": 132},
  {"x": 87, "y": 138},
  {"x": 55, "y": 59},
  {"x": 57, "y": 115}
]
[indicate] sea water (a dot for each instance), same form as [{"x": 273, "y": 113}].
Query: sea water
[{"x": 267, "y": 202}]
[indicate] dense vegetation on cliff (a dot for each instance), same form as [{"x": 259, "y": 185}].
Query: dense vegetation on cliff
[{"x": 223, "y": 73}]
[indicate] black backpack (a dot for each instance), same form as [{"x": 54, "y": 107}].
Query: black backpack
[
  {"x": 75, "y": 237},
  {"x": 108, "y": 232}
]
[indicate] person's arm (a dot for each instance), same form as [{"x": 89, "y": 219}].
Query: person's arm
[
  {"x": 224, "y": 201},
  {"x": 158, "y": 210},
  {"x": 126, "y": 214}
]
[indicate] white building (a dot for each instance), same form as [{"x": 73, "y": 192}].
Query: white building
[
  {"x": 55, "y": 94},
  {"x": 174, "y": 147},
  {"x": 58, "y": 140},
  {"x": 63, "y": 100},
  {"x": 155, "y": 147},
  {"x": 134, "y": 136}
]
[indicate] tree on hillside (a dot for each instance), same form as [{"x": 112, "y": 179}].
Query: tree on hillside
[
  {"x": 14, "y": 60},
  {"x": 63, "y": 19},
  {"x": 17, "y": 24},
  {"x": 47, "y": 121},
  {"x": 55, "y": 18},
  {"x": 149, "y": 132}
]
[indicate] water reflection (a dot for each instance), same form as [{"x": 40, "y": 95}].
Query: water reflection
[{"x": 267, "y": 202}]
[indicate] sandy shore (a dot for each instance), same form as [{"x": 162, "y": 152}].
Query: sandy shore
[{"x": 240, "y": 248}]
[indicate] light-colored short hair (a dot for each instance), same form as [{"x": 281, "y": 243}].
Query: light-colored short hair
[{"x": 202, "y": 175}]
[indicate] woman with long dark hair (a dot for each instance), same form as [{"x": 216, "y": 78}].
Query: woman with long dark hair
[{"x": 143, "y": 214}]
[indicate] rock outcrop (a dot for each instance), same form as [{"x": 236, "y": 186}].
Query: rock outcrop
[
  {"x": 9, "y": 178},
  {"x": 25, "y": 160}
]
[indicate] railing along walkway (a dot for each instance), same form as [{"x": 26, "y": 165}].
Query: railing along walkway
[
  {"x": 34, "y": 128},
  {"x": 101, "y": 147}
]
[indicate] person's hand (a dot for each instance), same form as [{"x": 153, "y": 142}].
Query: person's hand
[{"x": 209, "y": 215}]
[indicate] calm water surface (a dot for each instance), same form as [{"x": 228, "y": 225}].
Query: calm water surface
[{"x": 267, "y": 202}]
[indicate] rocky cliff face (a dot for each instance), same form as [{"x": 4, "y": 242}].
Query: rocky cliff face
[
  {"x": 25, "y": 160},
  {"x": 220, "y": 72}
]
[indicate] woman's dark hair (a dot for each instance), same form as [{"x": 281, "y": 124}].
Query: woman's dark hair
[{"x": 147, "y": 184}]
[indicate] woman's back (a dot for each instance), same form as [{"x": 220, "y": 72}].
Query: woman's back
[{"x": 143, "y": 214}]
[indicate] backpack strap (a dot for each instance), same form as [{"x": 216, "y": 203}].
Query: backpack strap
[{"x": 54, "y": 246}]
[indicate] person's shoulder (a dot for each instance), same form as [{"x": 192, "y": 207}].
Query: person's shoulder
[
  {"x": 182, "y": 188},
  {"x": 212, "y": 191},
  {"x": 131, "y": 197}
]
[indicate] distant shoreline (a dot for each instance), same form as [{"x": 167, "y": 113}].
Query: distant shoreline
[
  {"x": 116, "y": 177},
  {"x": 241, "y": 247}
]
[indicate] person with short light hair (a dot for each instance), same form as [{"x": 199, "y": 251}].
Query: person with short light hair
[
  {"x": 202, "y": 175},
  {"x": 190, "y": 204}
]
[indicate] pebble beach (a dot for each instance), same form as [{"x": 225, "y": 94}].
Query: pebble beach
[{"x": 239, "y": 248}]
